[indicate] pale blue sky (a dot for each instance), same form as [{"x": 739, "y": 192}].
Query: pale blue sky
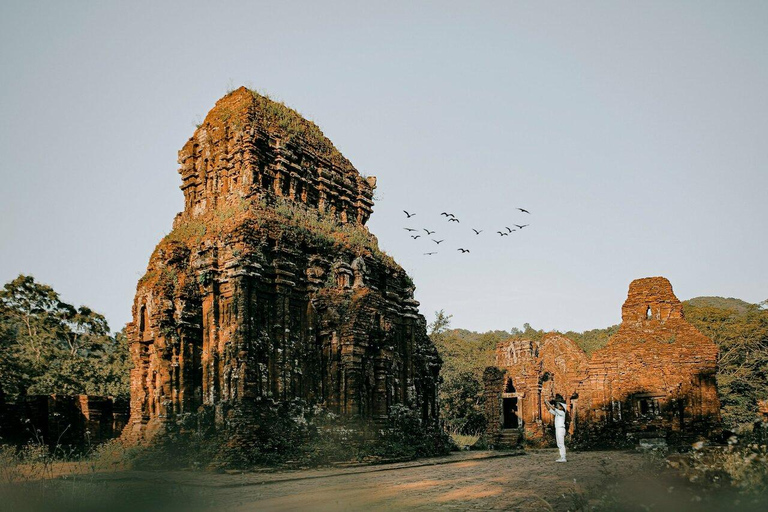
[{"x": 635, "y": 133}]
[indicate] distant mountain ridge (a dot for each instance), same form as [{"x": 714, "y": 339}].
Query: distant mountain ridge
[{"x": 729, "y": 303}]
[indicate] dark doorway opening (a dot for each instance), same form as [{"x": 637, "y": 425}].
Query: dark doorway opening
[{"x": 510, "y": 413}]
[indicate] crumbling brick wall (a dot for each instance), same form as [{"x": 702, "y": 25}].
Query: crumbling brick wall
[
  {"x": 493, "y": 380},
  {"x": 537, "y": 371},
  {"x": 657, "y": 372},
  {"x": 76, "y": 421},
  {"x": 655, "y": 375}
]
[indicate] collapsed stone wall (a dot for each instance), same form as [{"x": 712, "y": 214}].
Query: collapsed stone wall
[
  {"x": 270, "y": 288},
  {"x": 655, "y": 376}
]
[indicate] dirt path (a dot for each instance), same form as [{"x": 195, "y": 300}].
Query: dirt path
[
  {"x": 462, "y": 481},
  {"x": 532, "y": 481}
]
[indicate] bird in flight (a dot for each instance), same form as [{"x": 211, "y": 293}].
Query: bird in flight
[
  {"x": 453, "y": 219},
  {"x": 510, "y": 230},
  {"x": 503, "y": 233},
  {"x": 415, "y": 236},
  {"x": 409, "y": 229},
  {"x": 521, "y": 227},
  {"x": 429, "y": 253},
  {"x": 524, "y": 210},
  {"x": 462, "y": 250},
  {"x": 428, "y": 231},
  {"x": 447, "y": 214},
  {"x": 438, "y": 241},
  {"x": 409, "y": 215},
  {"x": 476, "y": 231}
]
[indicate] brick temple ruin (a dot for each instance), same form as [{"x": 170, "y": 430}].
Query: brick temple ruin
[
  {"x": 72, "y": 421},
  {"x": 270, "y": 288},
  {"x": 654, "y": 378}
]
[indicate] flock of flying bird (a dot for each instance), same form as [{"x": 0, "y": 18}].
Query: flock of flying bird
[{"x": 452, "y": 218}]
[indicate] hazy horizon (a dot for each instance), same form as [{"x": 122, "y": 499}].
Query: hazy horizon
[{"x": 633, "y": 132}]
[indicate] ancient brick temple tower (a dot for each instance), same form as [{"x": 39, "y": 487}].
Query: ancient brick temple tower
[
  {"x": 655, "y": 376},
  {"x": 270, "y": 288}
]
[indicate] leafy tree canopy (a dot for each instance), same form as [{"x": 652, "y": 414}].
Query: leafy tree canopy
[
  {"x": 740, "y": 330},
  {"x": 49, "y": 346}
]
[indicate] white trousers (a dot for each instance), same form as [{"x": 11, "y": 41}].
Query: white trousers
[{"x": 560, "y": 436}]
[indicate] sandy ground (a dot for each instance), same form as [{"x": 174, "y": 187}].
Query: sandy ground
[
  {"x": 533, "y": 481},
  {"x": 462, "y": 481}
]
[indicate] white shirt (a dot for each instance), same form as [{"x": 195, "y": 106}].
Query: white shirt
[{"x": 559, "y": 415}]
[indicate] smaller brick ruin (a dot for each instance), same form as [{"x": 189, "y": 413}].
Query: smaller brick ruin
[
  {"x": 76, "y": 421},
  {"x": 654, "y": 378}
]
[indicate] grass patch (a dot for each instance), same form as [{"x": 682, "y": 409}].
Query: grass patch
[
  {"x": 326, "y": 230},
  {"x": 276, "y": 117},
  {"x": 463, "y": 440}
]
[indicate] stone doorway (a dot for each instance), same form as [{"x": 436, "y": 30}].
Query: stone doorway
[{"x": 511, "y": 419}]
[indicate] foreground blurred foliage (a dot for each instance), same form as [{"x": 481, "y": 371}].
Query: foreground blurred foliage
[
  {"x": 34, "y": 478},
  {"x": 48, "y": 346},
  {"x": 707, "y": 478}
]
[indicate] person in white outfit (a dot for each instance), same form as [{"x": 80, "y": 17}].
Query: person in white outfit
[{"x": 558, "y": 411}]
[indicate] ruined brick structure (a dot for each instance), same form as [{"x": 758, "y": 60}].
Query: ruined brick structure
[
  {"x": 270, "y": 288},
  {"x": 655, "y": 376},
  {"x": 534, "y": 371},
  {"x": 63, "y": 420}
]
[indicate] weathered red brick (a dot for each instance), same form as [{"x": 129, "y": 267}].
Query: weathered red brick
[
  {"x": 270, "y": 287},
  {"x": 657, "y": 373}
]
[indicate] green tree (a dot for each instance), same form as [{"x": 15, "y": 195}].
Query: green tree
[
  {"x": 49, "y": 346},
  {"x": 741, "y": 332},
  {"x": 465, "y": 355},
  {"x": 439, "y": 325},
  {"x": 591, "y": 340}
]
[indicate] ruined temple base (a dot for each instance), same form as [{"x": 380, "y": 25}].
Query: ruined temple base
[{"x": 283, "y": 434}]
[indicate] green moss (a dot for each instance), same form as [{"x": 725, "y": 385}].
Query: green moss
[
  {"x": 186, "y": 231},
  {"x": 191, "y": 232},
  {"x": 205, "y": 277},
  {"x": 228, "y": 211},
  {"x": 149, "y": 276},
  {"x": 168, "y": 281},
  {"x": 276, "y": 117},
  {"x": 326, "y": 230}
]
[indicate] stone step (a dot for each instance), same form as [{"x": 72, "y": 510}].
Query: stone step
[{"x": 510, "y": 437}]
